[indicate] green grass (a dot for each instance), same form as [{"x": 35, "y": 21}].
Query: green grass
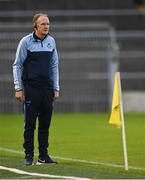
[{"x": 84, "y": 136}]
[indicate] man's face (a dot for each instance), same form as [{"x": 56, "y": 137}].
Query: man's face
[{"x": 42, "y": 26}]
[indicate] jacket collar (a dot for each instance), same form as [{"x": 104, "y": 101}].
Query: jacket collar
[{"x": 37, "y": 38}]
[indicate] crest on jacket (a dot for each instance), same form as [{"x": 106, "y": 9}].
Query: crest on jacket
[{"x": 49, "y": 46}]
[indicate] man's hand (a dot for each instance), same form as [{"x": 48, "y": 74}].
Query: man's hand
[
  {"x": 56, "y": 95},
  {"x": 20, "y": 96}
]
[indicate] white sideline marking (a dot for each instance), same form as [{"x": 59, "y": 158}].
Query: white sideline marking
[
  {"x": 14, "y": 170},
  {"x": 11, "y": 150},
  {"x": 77, "y": 160}
]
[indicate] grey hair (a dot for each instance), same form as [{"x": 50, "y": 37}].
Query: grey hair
[{"x": 35, "y": 18}]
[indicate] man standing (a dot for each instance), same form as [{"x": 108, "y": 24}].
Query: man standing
[{"x": 36, "y": 80}]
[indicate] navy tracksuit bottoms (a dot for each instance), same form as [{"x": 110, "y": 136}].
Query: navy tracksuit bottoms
[{"x": 38, "y": 104}]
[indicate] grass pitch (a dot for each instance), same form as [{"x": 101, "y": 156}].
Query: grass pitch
[{"x": 84, "y": 144}]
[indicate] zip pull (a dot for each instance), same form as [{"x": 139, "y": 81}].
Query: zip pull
[{"x": 41, "y": 44}]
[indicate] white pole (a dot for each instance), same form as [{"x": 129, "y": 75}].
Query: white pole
[{"x": 123, "y": 126}]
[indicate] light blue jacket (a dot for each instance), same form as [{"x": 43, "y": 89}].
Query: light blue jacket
[{"x": 33, "y": 55}]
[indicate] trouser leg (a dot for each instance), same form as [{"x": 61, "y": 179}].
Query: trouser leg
[
  {"x": 29, "y": 127},
  {"x": 30, "y": 114},
  {"x": 44, "y": 117}
]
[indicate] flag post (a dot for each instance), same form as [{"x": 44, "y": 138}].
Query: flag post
[{"x": 123, "y": 125}]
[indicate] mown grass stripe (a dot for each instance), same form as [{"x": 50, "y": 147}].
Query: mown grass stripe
[
  {"x": 78, "y": 160},
  {"x": 14, "y": 170}
]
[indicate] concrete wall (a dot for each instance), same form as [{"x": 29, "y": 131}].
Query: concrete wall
[{"x": 134, "y": 101}]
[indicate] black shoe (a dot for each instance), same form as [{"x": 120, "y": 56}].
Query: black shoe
[
  {"x": 46, "y": 160},
  {"x": 28, "y": 160}
]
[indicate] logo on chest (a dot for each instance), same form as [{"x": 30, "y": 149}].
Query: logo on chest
[{"x": 49, "y": 46}]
